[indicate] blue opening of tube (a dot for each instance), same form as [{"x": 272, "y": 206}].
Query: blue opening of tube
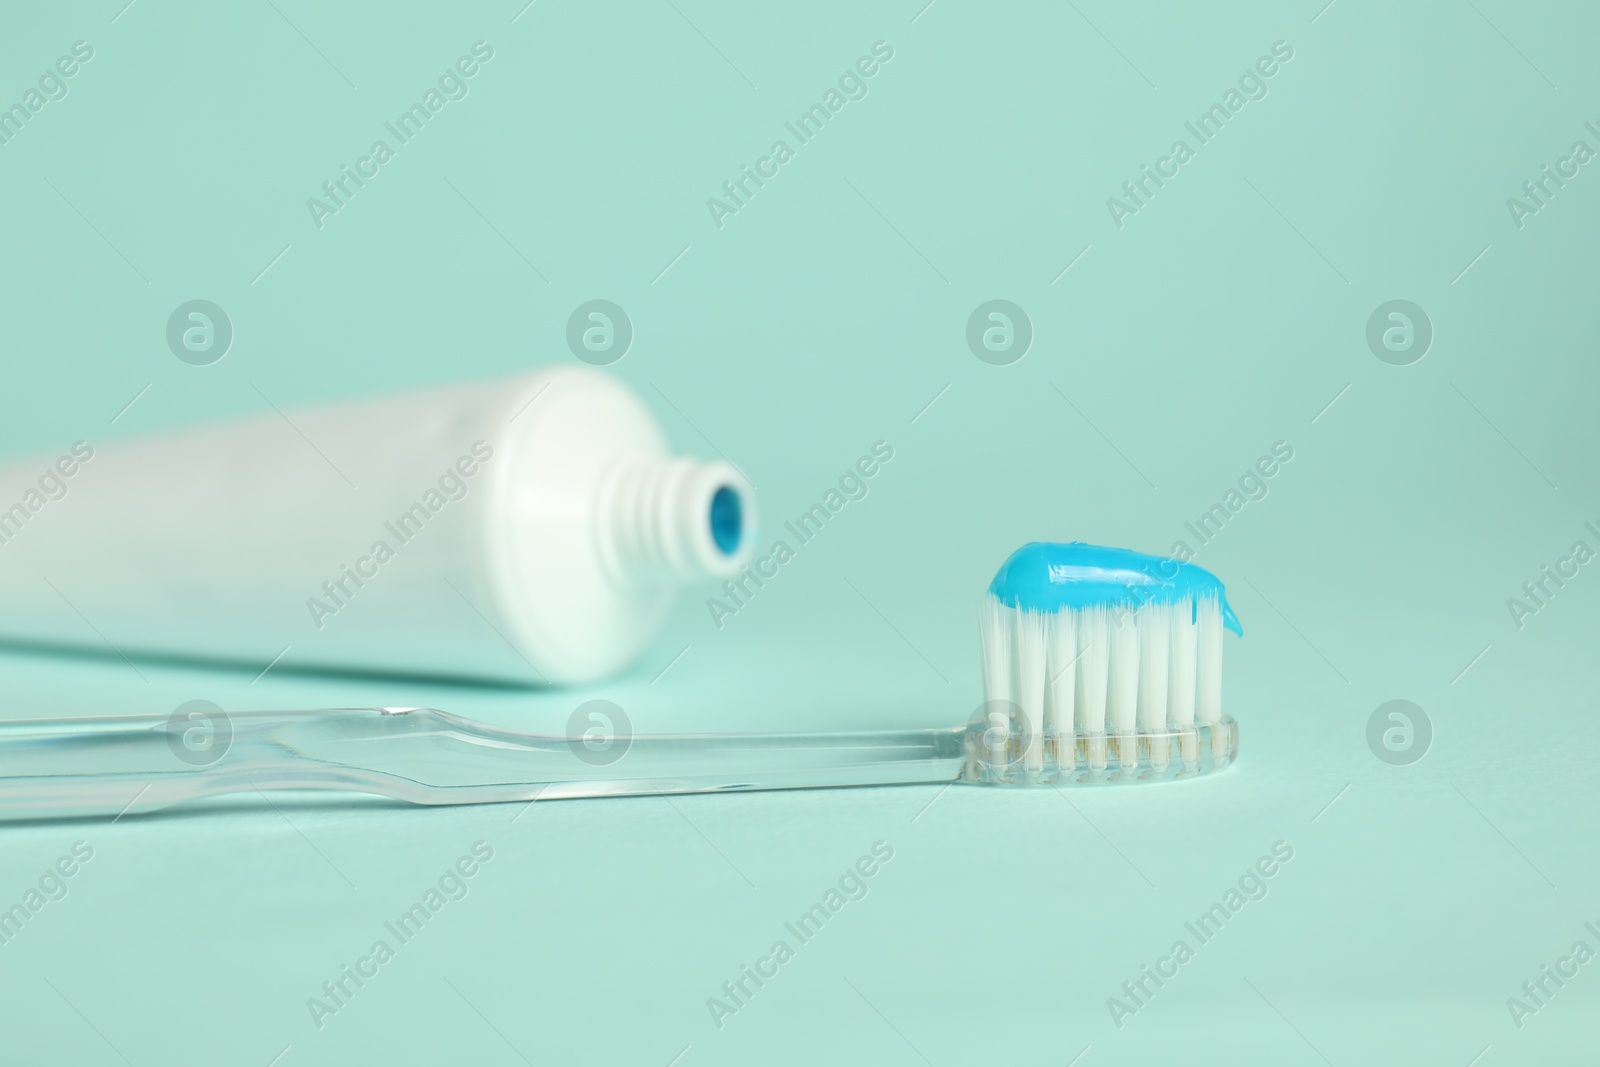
[{"x": 727, "y": 520}]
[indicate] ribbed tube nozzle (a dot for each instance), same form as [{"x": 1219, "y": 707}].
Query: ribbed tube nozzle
[{"x": 675, "y": 520}]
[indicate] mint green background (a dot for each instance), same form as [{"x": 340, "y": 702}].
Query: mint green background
[{"x": 1214, "y": 324}]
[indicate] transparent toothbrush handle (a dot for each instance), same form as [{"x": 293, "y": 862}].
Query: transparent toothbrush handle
[{"x": 111, "y": 766}]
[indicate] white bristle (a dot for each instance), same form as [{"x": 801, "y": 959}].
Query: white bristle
[
  {"x": 1154, "y": 622},
  {"x": 995, "y": 639},
  {"x": 1180, "y": 677},
  {"x": 1030, "y": 684},
  {"x": 1208, "y": 674},
  {"x": 1061, "y": 661},
  {"x": 994, "y": 635},
  {"x": 1094, "y": 660},
  {"x": 1122, "y": 690},
  {"x": 1103, "y": 676}
]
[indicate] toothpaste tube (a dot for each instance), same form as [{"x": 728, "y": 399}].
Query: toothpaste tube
[{"x": 530, "y": 530}]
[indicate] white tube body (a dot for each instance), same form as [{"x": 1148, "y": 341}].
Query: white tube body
[{"x": 528, "y": 530}]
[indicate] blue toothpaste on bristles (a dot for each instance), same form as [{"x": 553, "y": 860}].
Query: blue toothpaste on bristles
[{"x": 1100, "y": 650}]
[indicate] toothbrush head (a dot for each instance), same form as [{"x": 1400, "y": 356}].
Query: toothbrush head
[{"x": 1101, "y": 665}]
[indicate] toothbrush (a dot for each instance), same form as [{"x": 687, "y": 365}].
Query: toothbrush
[
  {"x": 1087, "y": 642},
  {"x": 1086, "y": 649}
]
